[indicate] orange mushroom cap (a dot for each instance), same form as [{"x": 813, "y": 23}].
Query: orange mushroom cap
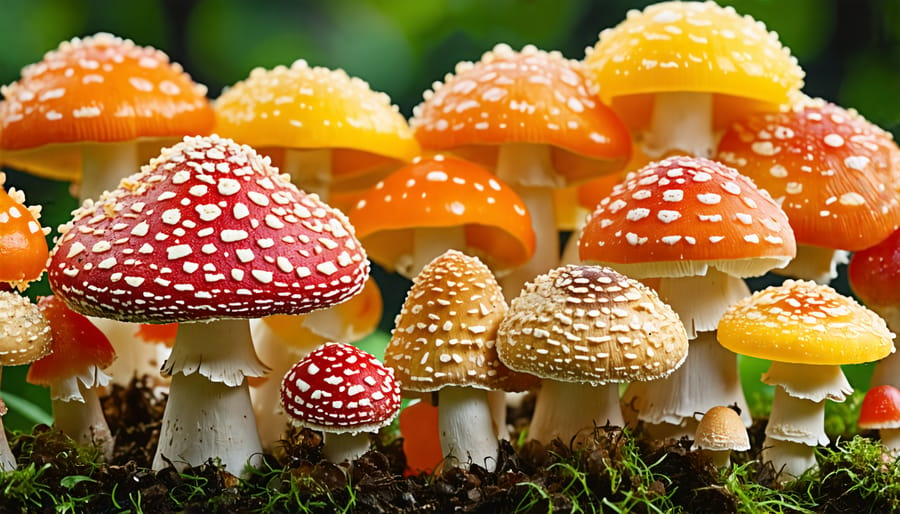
[
  {"x": 680, "y": 215},
  {"x": 98, "y": 89},
  {"x": 312, "y": 107},
  {"x": 530, "y": 96},
  {"x": 23, "y": 247},
  {"x": 443, "y": 191},
  {"x": 880, "y": 408},
  {"x": 691, "y": 47},
  {"x": 77, "y": 345},
  {"x": 874, "y": 275},
  {"x": 831, "y": 170}
]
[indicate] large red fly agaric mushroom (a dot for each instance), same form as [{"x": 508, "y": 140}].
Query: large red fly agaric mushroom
[
  {"x": 536, "y": 120},
  {"x": 207, "y": 234},
  {"x": 74, "y": 372},
  {"x": 344, "y": 392},
  {"x": 833, "y": 173}
]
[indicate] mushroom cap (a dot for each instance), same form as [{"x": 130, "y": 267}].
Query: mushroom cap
[
  {"x": 833, "y": 172},
  {"x": 101, "y": 88},
  {"x": 527, "y": 96},
  {"x": 874, "y": 275},
  {"x": 24, "y": 331},
  {"x": 444, "y": 191},
  {"x": 880, "y": 408},
  {"x": 691, "y": 47},
  {"x": 78, "y": 346},
  {"x": 445, "y": 332},
  {"x": 23, "y": 247},
  {"x": 207, "y": 230},
  {"x": 591, "y": 324},
  {"x": 339, "y": 388},
  {"x": 678, "y": 216},
  {"x": 721, "y": 429},
  {"x": 312, "y": 107},
  {"x": 806, "y": 323}
]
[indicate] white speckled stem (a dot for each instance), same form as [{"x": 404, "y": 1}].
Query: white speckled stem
[
  {"x": 681, "y": 122},
  {"x": 104, "y": 165},
  {"x": 220, "y": 350},
  {"x": 789, "y": 459},
  {"x": 205, "y": 420},
  {"x": 310, "y": 170},
  {"x": 345, "y": 447},
  {"x": 466, "y": 429},
  {"x": 563, "y": 409},
  {"x": 528, "y": 170},
  {"x": 428, "y": 244},
  {"x": 84, "y": 421},
  {"x": 814, "y": 263}
]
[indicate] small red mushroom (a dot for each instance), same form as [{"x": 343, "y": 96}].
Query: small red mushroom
[
  {"x": 74, "y": 372},
  {"x": 880, "y": 410},
  {"x": 343, "y": 391}
]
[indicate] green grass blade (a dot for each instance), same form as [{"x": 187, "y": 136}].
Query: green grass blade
[{"x": 29, "y": 410}]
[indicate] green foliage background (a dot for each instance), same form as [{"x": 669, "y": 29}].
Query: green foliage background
[{"x": 850, "y": 50}]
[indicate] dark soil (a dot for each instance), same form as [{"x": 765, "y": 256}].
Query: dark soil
[{"x": 530, "y": 478}]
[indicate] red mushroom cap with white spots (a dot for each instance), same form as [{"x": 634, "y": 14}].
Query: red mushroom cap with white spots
[
  {"x": 681, "y": 215},
  {"x": 444, "y": 191},
  {"x": 880, "y": 408},
  {"x": 207, "y": 230},
  {"x": 339, "y": 388},
  {"x": 874, "y": 275},
  {"x": 529, "y": 96},
  {"x": 834, "y": 173}
]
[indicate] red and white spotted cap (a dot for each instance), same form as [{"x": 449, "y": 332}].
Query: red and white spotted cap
[
  {"x": 339, "y": 388},
  {"x": 207, "y": 230},
  {"x": 678, "y": 216}
]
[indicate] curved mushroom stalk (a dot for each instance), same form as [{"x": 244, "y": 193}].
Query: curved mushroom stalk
[
  {"x": 345, "y": 447},
  {"x": 563, "y": 409},
  {"x": 209, "y": 413},
  {"x": 681, "y": 122},
  {"x": 84, "y": 421},
  {"x": 466, "y": 428}
]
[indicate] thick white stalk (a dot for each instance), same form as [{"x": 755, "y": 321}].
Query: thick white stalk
[
  {"x": 796, "y": 420},
  {"x": 681, "y": 122},
  {"x": 310, "y": 170},
  {"x": 85, "y": 422},
  {"x": 563, "y": 409},
  {"x": 104, "y": 165},
  {"x": 219, "y": 350},
  {"x": 345, "y": 447},
  {"x": 701, "y": 301},
  {"x": 466, "y": 428},
  {"x": 789, "y": 459},
  {"x": 814, "y": 263},
  {"x": 813, "y": 382},
  {"x": 429, "y": 243}
]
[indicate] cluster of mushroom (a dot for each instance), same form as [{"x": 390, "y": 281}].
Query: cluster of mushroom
[{"x": 713, "y": 168}]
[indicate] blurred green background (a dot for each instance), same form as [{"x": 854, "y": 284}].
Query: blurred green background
[{"x": 850, "y": 50}]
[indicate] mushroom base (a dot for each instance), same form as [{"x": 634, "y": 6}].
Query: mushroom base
[
  {"x": 205, "y": 420},
  {"x": 345, "y": 447},
  {"x": 84, "y": 421},
  {"x": 466, "y": 428},
  {"x": 789, "y": 459},
  {"x": 564, "y": 409}
]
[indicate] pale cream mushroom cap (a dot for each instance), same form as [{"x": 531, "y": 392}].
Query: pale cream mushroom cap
[
  {"x": 24, "y": 331},
  {"x": 721, "y": 429}
]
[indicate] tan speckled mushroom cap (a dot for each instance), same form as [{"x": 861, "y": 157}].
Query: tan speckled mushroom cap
[
  {"x": 721, "y": 429},
  {"x": 446, "y": 330},
  {"x": 24, "y": 331},
  {"x": 583, "y": 323}
]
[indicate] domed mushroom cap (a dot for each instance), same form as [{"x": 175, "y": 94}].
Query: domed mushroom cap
[
  {"x": 100, "y": 88},
  {"x": 681, "y": 215},
  {"x": 693, "y": 46},
  {"x": 880, "y": 408},
  {"x": 527, "y": 96},
  {"x": 339, "y": 388},
  {"x": 207, "y": 230},
  {"x": 832, "y": 171},
  {"x": 446, "y": 331},
  {"x": 23, "y": 245},
  {"x": 806, "y": 323},
  {"x": 312, "y": 107},
  {"x": 24, "y": 332},
  {"x": 591, "y": 324},
  {"x": 721, "y": 429}
]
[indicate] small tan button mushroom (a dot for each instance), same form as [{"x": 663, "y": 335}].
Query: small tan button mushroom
[{"x": 720, "y": 432}]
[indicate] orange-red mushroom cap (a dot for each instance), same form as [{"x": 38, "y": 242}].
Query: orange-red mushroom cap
[
  {"x": 874, "y": 275},
  {"x": 880, "y": 408},
  {"x": 23, "y": 246}
]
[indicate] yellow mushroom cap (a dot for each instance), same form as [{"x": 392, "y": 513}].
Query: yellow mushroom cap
[
  {"x": 312, "y": 107},
  {"x": 804, "y": 323}
]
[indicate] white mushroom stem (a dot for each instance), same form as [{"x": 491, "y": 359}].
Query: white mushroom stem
[
  {"x": 271, "y": 420},
  {"x": 796, "y": 420},
  {"x": 672, "y": 406},
  {"x": 681, "y": 121},
  {"x": 310, "y": 170},
  {"x": 134, "y": 356},
  {"x": 466, "y": 428},
  {"x": 209, "y": 414},
  {"x": 887, "y": 370},
  {"x": 7, "y": 459},
  {"x": 721, "y": 459},
  {"x": 528, "y": 170},
  {"x": 702, "y": 300},
  {"x": 563, "y": 409},
  {"x": 497, "y": 401},
  {"x": 104, "y": 165},
  {"x": 789, "y": 459},
  {"x": 428, "y": 244},
  {"x": 345, "y": 447},
  {"x": 814, "y": 263},
  {"x": 84, "y": 421}
]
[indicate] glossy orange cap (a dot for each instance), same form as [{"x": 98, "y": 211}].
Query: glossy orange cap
[{"x": 23, "y": 246}]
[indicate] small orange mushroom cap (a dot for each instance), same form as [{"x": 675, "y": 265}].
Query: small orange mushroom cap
[
  {"x": 691, "y": 47},
  {"x": 23, "y": 246},
  {"x": 529, "y": 96},
  {"x": 833, "y": 172},
  {"x": 101, "y": 88},
  {"x": 444, "y": 191}
]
